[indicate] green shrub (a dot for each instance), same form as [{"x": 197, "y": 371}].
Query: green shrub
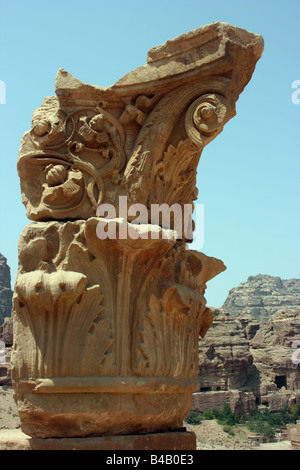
[
  {"x": 209, "y": 414},
  {"x": 295, "y": 413},
  {"x": 265, "y": 422},
  {"x": 285, "y": 414},
  {"x": 242, "y": 420},
  {"x": 251, "y": 425},
  {"x": 226, "y": 416},
  {"x": 193, "y": 418},
  {"x": 228, "y": 429},
  {"x": 264, "y": 428},
  {"x": 268, "y": 430}
]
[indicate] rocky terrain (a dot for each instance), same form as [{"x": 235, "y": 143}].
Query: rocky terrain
[
  {"x": 263, "y": 296},
  {"x": 9, "y": 418},
  {"x": 249, "y": 358},
  {"x": 274, "y": 350},
  {"x": 224, "y": 354},
  {"x": 5, "y": 289},
  {"x": 210, "y": 435}
]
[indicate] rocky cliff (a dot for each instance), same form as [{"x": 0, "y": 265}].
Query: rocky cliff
[
  {"x": 224, "y": 354},
  {"x": 249, "y": 356},
  {"x": 274, "y": 350},
  {"x": 5, "y": 289},
  {"x": 263, "y": 296}
]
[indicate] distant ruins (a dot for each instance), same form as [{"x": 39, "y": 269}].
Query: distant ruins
[{"x": 106, "y": 330}]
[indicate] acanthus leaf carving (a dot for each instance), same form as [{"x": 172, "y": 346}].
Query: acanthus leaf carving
[
  {"x": 52, "y": 304},
  {"x": 178, "y": 313},
  {"x": 174, "y": 176},
  {"x": 196, "y": 114}
]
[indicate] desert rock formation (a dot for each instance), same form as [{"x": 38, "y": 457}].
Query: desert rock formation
[
  {"x": 274, "y": 350},
  {"x": 262, "y": 296},
  {"x": 224, "y": 354},
  {"x": 251, "y": 360},
  {"x": 225, "y": 367},
  {"x": 5, "y": 289}
]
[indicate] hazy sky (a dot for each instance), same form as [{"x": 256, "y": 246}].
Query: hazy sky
[{"x": 248, "y": 177}]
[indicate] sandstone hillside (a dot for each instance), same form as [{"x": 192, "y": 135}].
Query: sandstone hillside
[{"x": 263, "y": 296}]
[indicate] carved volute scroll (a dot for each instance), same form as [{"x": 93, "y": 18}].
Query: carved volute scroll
[{"x": 106, "y": 329}]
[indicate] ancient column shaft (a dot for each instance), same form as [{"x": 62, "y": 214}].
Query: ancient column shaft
[{"x": 109, "y": 301}]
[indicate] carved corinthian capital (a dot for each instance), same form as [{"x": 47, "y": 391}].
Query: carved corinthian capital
[
  {"x": 141, "y": 137},
  {"x": 106, "y": 329}
]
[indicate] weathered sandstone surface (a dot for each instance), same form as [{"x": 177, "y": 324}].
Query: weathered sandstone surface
[
  {"x": 224, "y": 354},
  {"x": 253, "y": 358},
  {"x": 275, "y": 350},
  {"x": 106, "y": 325},
  {"x": 262, "y": 296}
]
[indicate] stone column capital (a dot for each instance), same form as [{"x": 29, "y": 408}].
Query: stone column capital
[
  {"x": 141, "y": 137},
  {"x": 106, "y": 328}
]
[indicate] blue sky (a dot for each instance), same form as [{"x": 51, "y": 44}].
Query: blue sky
[{"x": 248, "y": 177}]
